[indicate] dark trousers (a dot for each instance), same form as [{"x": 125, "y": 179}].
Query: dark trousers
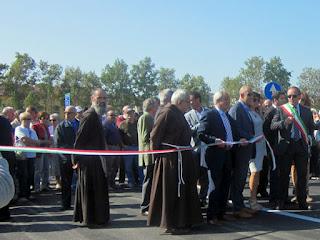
[
  {"x": 202, "y": 177},
  {"x": 239, "y": 175},
  {"x": 66, "y": 181},
  {"x": 314, "y": 162},
  {"x": 264, "y": 175},
  {"x": 146, "y": 187},
  {"x": 122, "y": 172},
  {"x": 112, "y": 166},
  {"x": 275, "y": 181},
  {"x": 297, "y": 153},
  {"x": 25, "y": 172},
  {"x": 221, "y": 176}
]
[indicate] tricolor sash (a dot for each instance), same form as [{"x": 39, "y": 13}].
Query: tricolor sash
[{"x": 297, "y": 121}]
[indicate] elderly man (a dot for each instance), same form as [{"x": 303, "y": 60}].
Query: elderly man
[
  {"x": 295, "y": 124},
  {"x": 8, "y": 112},
  {"x": 113, "y": 140},
  {"x": 193, "y": 118},
  {"x": 64, "y": 137},
  {"x": 92, "y": 200},
  {"x": 6, "y": 139},
  {"x": 174, "y": 202},
  {"x": 216, "y": 126},
  {"x": 145, "y": 125},
  {"x": 164, "y": 98},
  {"x": 240, "y": 113}
]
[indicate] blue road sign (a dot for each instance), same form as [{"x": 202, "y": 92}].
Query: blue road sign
[
  {"x": 67, "y": 100},
  {"x": 271, "y": 88}
]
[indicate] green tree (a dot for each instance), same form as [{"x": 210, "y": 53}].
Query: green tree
[
  {"x": 90, "y": 81},
  {"x": 253, "y": 73},
  {"x": 196, "y": 83},
  {"x": 50, "y": 77},
  {"x": 276, "y": 72},
  {"x": 19, "y": 73},
  {"x": 167, "y": 79},
  {"x": 232, "y": 86},
  {"x": 32, "y": 99},
  {"x": 309, "y": 81},
  {"x": 72, "y": 82},
  {"x": 145, "y": 80},
  {"x": 117, "y": 83}
]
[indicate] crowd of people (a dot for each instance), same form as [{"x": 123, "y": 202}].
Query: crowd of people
[{"x": 176, "y": 185}]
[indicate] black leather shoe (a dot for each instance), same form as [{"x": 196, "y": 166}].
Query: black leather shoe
[{"x": 305, "y": 207}]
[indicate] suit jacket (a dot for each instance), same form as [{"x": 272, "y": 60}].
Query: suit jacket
[
  {"x": 194, "y": 122},
  {"x": 144, "y": 127},
  {"x": 211, "y": 127},
  {"x": 6, "y": 139},
  {"x": 271, "y": 135},
  {"x": 245, "y": 129},
  {"x": 285, "y": 131},
  {"x": 64, "y": 137}
]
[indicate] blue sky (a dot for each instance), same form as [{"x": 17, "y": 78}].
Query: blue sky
[{"x": 208, "y": 38}]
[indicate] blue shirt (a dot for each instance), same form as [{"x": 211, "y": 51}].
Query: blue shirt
[{"x": 111, "y": 133}]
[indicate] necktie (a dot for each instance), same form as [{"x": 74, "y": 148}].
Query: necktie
[
  {"x": 296, "y": 132},
  {"x": 227, "y": 126}
]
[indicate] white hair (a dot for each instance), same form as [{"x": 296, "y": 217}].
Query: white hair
[
  {"x": 219, "y": 96},
  {"x": 6, "y": 110},
  {"x": 165, "y": 96},
  {"x": 54, "y": 116},
  {"x": 179, "y": 95}
]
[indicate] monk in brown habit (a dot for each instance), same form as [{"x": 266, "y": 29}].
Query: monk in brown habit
[
  {"x": 174, "y": 202},
  {"x": 91, "y": 200}
]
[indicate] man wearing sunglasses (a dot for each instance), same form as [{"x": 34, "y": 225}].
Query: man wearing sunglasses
[{"x": 295, "y": 124}]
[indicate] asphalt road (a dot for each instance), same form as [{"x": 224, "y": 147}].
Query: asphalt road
[{"x": 41, "y": 219}]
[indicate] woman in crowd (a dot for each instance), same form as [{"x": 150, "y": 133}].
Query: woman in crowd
[{"x": 255, "y": 164}]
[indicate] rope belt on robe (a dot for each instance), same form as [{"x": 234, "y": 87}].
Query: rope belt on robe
[{"x": 204, "y": 147}]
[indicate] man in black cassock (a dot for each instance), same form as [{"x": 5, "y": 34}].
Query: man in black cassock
[{"x": 91, "y": 200}]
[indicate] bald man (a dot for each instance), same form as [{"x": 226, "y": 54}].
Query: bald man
[
  {"x": 240, "y": 114},
  {"x": 64, "y": 137}
]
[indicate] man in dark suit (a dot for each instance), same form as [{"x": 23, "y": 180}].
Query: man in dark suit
[
  {"x": 216, "y": 126},
  {"x": 295, "y": 124},
  {"x": 272, "y": 136},
  {"x": 64, "y": 137},
  {"x": 240, "y": 113},
  {"x": 193, "y": 118},
  {"x": 6, "y": 139}
]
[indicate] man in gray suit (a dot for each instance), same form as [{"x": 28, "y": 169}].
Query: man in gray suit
[
  {"x": 193, "y": 118},
  {"x": 240, "y": 113}
]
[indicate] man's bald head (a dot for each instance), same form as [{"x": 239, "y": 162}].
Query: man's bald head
[{"x": 246, "y": 95}]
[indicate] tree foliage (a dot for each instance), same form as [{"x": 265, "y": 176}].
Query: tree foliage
[
  {"x": 196, "y": 83},
  {"x": 309, "y": 81},
  {"x": 276, "y": 72}
]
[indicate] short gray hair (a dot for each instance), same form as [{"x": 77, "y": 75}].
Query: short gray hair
[
  {"x": 179, "y": 95},
  {"x": 148, "y": 104},
  {"x": 54, "y": 116},
  {"x": 6, "y": 110},
  {"x": 165, "y": 96},
  {"x": 219, "y": 96}
]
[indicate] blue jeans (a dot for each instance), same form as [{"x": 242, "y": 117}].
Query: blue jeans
[{"x": 131, "y": 161}]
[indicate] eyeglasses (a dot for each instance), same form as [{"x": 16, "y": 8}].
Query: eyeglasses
[
  {"x": 53, "y": 120},
  {"x": 250, "y": 94},
  {"x": 292, "y": 96}
]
